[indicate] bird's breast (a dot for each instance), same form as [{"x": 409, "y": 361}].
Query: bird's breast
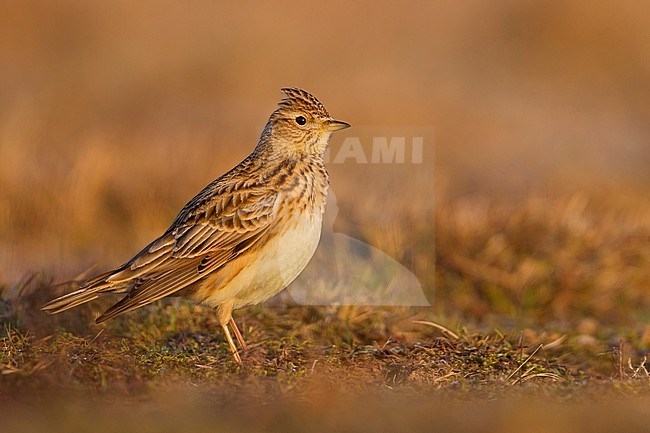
[
  {"x": 276, "y": 259},
  {"x": 267, "y": 268}
]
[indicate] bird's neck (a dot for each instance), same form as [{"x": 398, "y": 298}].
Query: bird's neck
[{"x": 278, "y": 154}]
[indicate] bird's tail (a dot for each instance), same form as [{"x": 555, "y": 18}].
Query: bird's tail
[{"x": 89, "y": 291}]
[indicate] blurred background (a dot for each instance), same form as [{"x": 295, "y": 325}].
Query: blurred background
[{"x": 113, "y": 114}]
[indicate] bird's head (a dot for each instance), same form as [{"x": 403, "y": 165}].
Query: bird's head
[{"x": 301, "y": 124}]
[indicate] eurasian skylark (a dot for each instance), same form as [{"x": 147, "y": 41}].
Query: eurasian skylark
[{"x": 245, "y": 236}]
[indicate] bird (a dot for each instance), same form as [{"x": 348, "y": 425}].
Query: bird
[{"x": 243, "y": 238}]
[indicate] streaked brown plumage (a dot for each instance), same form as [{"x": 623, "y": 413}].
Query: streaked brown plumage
[{"x": 245, "y": 236}]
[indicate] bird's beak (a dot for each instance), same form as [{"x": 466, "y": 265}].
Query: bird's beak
[{"x": 336, "y": 125}]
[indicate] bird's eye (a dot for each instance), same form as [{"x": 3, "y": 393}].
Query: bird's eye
[{"x": 300, "y": 120}]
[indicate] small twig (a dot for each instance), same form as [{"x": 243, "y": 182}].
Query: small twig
[
  {"x": 620, "y": 359},
  {"x": 555, "y": 343},
  {"x": 523, "y": 376},
  {"x": 313, "y": 366},
  {"x": 520, "y": 345},
  {"x": 553, "y": 376},
  {"x": 636, "y": 371},
  {"x": 98, "y": 334},
  {"x": 386, "y": 344},
  {"x": 524, "y": 363},
  {"x": 441, "y": 378},
  {"x": 548, "y": 364},
  {"x": 439, "y": 327}
]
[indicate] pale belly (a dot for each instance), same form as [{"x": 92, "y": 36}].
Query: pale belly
[{"x": 276, "y": 265}]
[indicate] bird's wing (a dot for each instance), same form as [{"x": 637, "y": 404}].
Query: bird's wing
[{"x": 207, "y": 234}]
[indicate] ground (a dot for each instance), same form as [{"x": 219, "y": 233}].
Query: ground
[{"x": 320, "y": 368}]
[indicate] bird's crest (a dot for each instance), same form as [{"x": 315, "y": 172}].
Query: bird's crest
[{"x": 299, "y": 99}]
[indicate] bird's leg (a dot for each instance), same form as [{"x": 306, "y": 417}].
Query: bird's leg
[
  {"x": 233, "y": 349},
  {"x": 225, "y": 317},
  {"x": 238, "y": 335}
]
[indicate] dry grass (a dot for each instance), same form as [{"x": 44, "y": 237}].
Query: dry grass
[
  {"x": 528, "y": 224},
  {"x": 166, "y": 365}
]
